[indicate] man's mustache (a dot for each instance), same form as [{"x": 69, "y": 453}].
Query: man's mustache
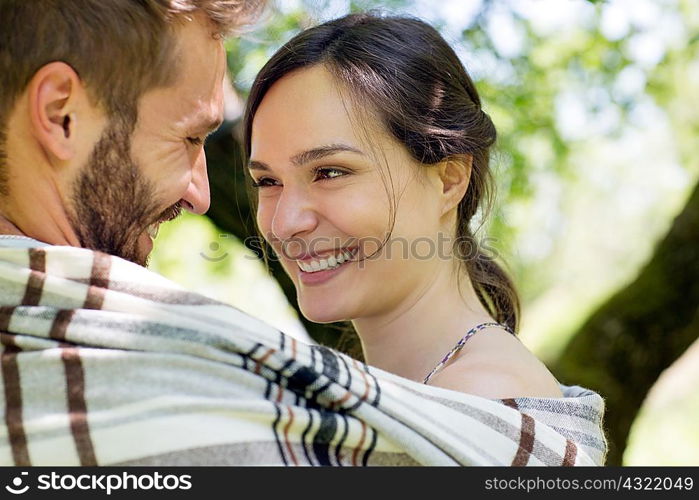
[{"x": 170, "y": 213}]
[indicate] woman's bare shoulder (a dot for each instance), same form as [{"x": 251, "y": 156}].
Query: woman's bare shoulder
[{"x": 497, "y": 365}]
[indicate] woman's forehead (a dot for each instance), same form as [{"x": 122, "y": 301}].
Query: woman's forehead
[{"x": 311, "y": 105}]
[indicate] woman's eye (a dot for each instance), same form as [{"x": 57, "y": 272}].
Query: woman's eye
[
  {"x": 263, "y": 182},
  {"x": 321, "y": 174},
  {"x": 329, "y": 173}
]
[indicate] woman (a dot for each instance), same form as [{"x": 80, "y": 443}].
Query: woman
[{"x": 368, "y": 150}]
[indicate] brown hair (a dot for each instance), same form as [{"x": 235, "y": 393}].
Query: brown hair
[
  {"x": 119, "y": 48},
  {"x": 418, "y": 88}
]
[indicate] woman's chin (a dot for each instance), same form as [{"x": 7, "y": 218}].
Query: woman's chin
[{"x": 319, "y": 314}]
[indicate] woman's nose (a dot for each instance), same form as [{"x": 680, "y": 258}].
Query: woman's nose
[{"x": 295, "y": 214}]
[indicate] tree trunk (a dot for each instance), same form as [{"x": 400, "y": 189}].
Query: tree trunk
[{"x": 624, "y": 346}]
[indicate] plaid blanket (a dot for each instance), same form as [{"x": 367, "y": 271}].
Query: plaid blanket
[{"x": 107, "y": 363}]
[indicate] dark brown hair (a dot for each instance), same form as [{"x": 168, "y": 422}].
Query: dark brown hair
[
  {"x": 120, "y": 48},
  {"x": 418, "y": 88}
]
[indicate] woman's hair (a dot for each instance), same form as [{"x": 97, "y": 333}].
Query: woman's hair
[{"x": 417, "y": 87}]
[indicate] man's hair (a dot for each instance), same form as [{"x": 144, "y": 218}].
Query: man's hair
[{"x": 119, "y": 48}]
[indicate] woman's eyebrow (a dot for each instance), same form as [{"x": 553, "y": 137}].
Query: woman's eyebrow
[
  {"x": 309, "y": 155},
  {"x": 257, "y": 165},
  {"x": 321, "y": 152}
]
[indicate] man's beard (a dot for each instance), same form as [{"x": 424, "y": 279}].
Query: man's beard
[{"x": 113, "y": 202}]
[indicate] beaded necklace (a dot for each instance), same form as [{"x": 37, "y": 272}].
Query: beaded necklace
[{"x": 460, "y": 344}]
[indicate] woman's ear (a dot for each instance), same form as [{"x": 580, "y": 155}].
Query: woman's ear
[
  {"x": 54, "y": 92},
  {"x": 455, "y": 175}
]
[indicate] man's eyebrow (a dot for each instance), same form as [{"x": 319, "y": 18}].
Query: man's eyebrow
[
  {"x": 309, "y": 155},
  {"x": 208, "y": 126}
]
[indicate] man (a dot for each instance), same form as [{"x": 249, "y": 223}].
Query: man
[
  {"x": 103, "y": 143},
  {"x": 104, "y": 108}
]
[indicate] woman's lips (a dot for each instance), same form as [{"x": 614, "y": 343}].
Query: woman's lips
[
  {"x": 319, "y": 270},
  {"x": 320, "y": 277},
  {"x": 326, "y": 259}
]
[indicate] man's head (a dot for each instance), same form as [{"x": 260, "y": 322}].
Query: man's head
[{"x": 103, "y": 111}]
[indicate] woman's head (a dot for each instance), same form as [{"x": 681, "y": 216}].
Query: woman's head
[{"x": 387, "y": 104}]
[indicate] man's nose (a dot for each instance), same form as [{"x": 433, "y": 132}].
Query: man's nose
[
  {"x": 197, "y": 194},
  {"x": 295, "y": 214}
]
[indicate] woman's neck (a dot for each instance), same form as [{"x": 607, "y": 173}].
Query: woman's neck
[{"x": 412, "y": 338}]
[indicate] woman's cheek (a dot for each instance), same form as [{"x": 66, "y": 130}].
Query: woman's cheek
[
  {"x": 265, "y": 215},
  {"x": 264, "y": 219}
]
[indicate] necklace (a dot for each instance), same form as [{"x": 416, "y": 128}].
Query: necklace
[{"x": 459, "y": 345}]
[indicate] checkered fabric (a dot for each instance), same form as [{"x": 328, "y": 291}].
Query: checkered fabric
[{"x": 107, "y": 363}]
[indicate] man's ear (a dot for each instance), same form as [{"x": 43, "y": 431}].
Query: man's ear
[
  {"x": 54, "y": 93},
  {"x": 455, "y": 175}
]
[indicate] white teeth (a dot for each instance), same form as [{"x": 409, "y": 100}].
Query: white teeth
[{"x": 330, "y": 263}]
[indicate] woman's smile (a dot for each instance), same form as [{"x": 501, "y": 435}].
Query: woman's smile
[
  {"x": 321, "y": 267},
  {"x": 331, "y": 261}
]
